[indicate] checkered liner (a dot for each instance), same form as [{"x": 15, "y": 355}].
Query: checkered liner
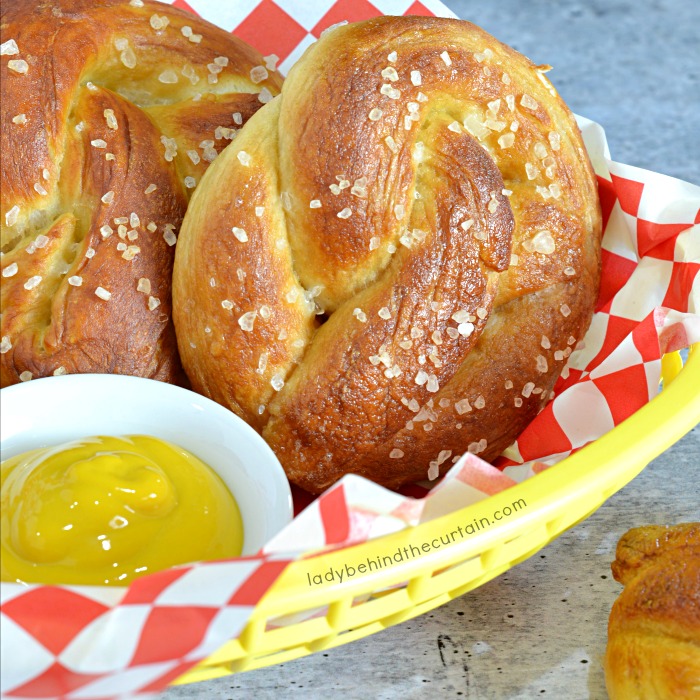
[{"x": 92, "y": 642}]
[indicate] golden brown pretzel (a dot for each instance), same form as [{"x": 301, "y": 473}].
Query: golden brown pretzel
[
  {"x": 111, "y": 112},
  {"x": 653, "y": 650},
  {"x": 344, "y": 278}
]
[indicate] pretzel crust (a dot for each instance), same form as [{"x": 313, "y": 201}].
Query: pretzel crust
[{"x": 393, "y": 261}]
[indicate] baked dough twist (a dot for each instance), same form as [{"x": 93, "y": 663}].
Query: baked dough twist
[
  {"x": 393, "y": 261},
  {"x": 107, "y": 109},
  {"x": 653, "y": 650}
]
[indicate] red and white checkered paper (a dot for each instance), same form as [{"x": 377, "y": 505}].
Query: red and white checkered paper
[{"x": 84, "y": 643}]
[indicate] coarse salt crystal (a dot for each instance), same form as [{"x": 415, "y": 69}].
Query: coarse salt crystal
[
  {"x": 569, "y": 271},
  {"x": 5, "y": 344},
  {"x": 169, "y": 237},
  {"x": 465, "y": 329},
  {"x": 258, "y": 74},
  {"x": 144, "y": 285},
  {"x": 432, "y": 384},
  {"x": 131, "y": 252},
  {"x": 265, "y": 96},
  {"x": 10, "y": 270},
  {"x": 25, "y": 376},
  {"x": 555, "y": 190},
  {"x": 421, "y": 377},
  {"x": 345, "y": 213},
  {"x": 507, "y": 140},
  {"x": 103, "y": 294},
  {"x": 128, "y": 57},
  {"x": 446, "y": 58},
  {"x": 396, "y": 453},
  {"x": 375, "y": 114},
  {"x": 531, "y": 171},
  {"x": 108, "y": 197},
  {"x": 32, "y": 282},
  {"x": 360, "y": 315},
  {"x": 541, "y": 364},
  {"x": 153, "y": 303},
  {"x": 247, "y": 320},
  {"x": 243, "y": 158},
  {"x": 11, "y": 215},
  {"x": 390, "y": 91},
  {"x": 75, "y": 280},
  {"x": 529, "y": 102},
  {"x": 277, "y": 382},
  {"x": 110, "y": 119},
  {"x": 416, "y": 77},
  {"x": 543, "y": 243},
  {"x": 540, "y": 150},
  {"x": 228, "y": 305},
  {"x": 18, "y": 66},
  {"x": 98, "y": 143},
  {"x": 392, "y": 57},
  {"x": 384, "y": 313},
  {"x": 565, "y": 310},
  {"x": 390, "y": 73},
  {"x": 169, "y": 77},
  {"x": 20, "y": 119},
  {"x": 158, "y": 22},
  {"x": 9, "y": 48},
  {"x": 527, "y": 389}
]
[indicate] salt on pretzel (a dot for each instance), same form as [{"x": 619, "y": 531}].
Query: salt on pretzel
[
  {"x": 111, "y": 112},
  {"x": 394, "y": 260}
]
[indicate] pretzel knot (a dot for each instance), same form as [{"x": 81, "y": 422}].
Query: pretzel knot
[
  {"x": 111, "y": 112},
  {"x": 391, "y": 264}
]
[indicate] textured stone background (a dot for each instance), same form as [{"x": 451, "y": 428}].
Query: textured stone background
[{"x": 539, "y": 630}]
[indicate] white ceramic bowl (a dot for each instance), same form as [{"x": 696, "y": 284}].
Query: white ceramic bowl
[{"x": 49, "y": 411}]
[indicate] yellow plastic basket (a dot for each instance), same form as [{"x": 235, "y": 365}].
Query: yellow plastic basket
[{"x": 556, "y": 500}]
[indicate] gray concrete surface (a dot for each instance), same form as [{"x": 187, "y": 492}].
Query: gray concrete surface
[{"x": 539, "y": 631}]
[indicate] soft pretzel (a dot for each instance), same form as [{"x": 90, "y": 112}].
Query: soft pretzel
[
  {"x": 653, "y": 650},
  {"x": 393, "y": 261},
  {"x": 111, "y": 111}
]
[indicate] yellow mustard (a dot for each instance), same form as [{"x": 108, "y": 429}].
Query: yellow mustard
[{"x": 106, "y": 510}]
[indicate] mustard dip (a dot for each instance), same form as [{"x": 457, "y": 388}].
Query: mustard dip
[{"x": 106, "y": 510}]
